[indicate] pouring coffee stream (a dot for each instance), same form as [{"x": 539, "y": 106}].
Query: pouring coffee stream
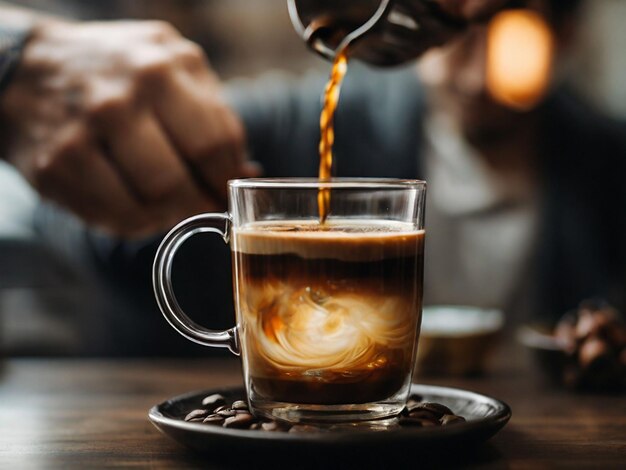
[
  {"x": 382, "y": 32},
  {"x": 327, "y": 130}
]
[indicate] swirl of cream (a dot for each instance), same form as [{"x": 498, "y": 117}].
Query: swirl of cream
[{"x": 299, "y": 330}]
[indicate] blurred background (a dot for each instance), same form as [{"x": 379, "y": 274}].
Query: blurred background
[
  {"x": 247, "y": 38},
  {"x": 242, "y": 38}
]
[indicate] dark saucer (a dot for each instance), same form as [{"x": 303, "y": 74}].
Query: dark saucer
[{"x": 485, "y": 417}]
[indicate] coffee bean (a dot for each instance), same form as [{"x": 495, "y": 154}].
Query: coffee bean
[
  {"x": 587, "y": 324},
  {"x": 420, "y": 422},
  {"x": 214, "y": 419},
  {"x": 451, "y": 419},
  {"x": 416, "y": 398},
  {"x": 239, "y": 421},
  {"x": 436, "y": 408},
  {"x": 416, "y": 414},
  {"x": 214, "y": 400},
  {"x": 271, "y": 426},
  {"x": 592, "y": 350},
  {"x": 421, "y": 413},
  {"x": 239, "y": 405},
  {"x": 197, "y": 414},
  {"x": 303, "y": 428},
  {"x": 410, "y": 405}
]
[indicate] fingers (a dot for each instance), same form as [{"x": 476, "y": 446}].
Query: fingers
[
  {"x": 81, "y": 177},
  {"x": 148, "y": 163},
  {"x": 78, "y": 176},
  {"x": 208, "y": 135},
  {"x": 161, "y": 145}
]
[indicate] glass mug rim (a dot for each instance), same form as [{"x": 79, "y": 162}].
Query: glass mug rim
[
  {"x": 333, "y": 183},
  {"x": 224, "y": 223}
]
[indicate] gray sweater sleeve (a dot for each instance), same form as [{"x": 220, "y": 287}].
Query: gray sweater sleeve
[{"x": 280, "y": 115}]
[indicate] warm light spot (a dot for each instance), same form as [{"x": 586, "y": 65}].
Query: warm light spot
[{"x": 520, "y": 48}]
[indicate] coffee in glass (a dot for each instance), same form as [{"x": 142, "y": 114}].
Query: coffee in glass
[{"x": 328, "y": 314}]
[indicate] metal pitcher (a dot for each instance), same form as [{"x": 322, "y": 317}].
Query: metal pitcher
[{"x": 381, "y": 32}]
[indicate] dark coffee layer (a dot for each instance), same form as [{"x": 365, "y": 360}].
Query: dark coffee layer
[{"x": 379, "y": 387}]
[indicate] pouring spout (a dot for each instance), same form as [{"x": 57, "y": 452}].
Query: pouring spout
[{"x": 327, "y": 32}]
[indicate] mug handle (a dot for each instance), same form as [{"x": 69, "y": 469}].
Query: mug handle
[{"x": 162, "y": 281}]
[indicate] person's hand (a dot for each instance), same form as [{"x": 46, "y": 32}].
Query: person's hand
[
  {"x": 471, "y": 10},
  {"x": 122, "y": 123}
]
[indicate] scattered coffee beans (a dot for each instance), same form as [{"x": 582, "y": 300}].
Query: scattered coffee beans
[
  {"x": 214, "y": 400},
  {"x": 240, "y": 421},
  {"x": 214, "y": 419},
  {"x": 239, "y": 405},
  {"x": 237, "y": 416},
  {"x": 593, "y": 339},
  {"x": 197, "y": 414}
]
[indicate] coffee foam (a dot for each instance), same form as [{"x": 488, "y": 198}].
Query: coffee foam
[
  {"x": 338, "y": 337},
  {"x": 344, "y": 240}
]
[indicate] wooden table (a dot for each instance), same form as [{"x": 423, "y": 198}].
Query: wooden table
[{"x": 92, "y": 413}]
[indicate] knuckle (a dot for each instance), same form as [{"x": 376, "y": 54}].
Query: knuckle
[
  {"x": 191, "y": 54},
  {"x": 161, "y": 31},
  {"x": 155, "y": 68},
  {"x": 110, "y": 107}
]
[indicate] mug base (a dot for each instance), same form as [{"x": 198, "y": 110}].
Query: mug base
[{"x": 382, "y": 414}]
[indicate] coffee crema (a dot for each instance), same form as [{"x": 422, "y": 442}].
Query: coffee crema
[{"x": 328, "y": 315}]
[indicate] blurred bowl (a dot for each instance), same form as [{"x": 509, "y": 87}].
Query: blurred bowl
[{"x": 457, "y": 340}]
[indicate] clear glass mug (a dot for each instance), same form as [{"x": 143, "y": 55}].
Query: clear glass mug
[{"x": 328, "y": 315}]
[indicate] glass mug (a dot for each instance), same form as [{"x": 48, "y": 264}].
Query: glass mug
[{"x": 328, "y": 315}]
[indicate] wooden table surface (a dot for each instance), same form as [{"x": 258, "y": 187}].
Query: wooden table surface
[{"x": 92, "y": 413}]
